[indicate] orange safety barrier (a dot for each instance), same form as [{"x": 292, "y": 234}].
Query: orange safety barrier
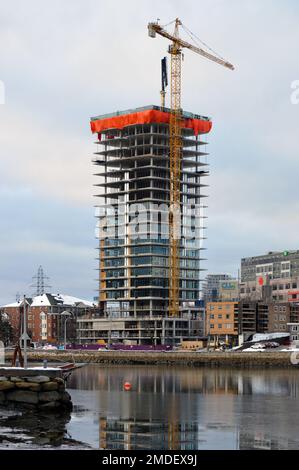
[{"x": 199, "y": 126}]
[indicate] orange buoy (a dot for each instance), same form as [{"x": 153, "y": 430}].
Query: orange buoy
[{"x": 127, "y": 386}]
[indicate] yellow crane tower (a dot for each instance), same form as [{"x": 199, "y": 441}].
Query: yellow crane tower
[{"x": 175, "y": 143}]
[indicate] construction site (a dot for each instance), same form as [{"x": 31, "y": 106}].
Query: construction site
[{"x": 152, "y": 169}]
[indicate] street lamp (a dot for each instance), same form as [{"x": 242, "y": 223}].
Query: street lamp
[
  {"x": 25, "y": 332},
  {"x": 67, "y": 316}
]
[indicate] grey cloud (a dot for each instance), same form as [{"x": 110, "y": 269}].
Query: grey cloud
[{"x": 63, "y": 62}]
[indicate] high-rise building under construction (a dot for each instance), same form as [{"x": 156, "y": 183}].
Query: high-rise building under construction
[{"x": 134, "y": 198}]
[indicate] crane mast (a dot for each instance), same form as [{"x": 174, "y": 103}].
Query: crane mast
[
  {"x": 175, "y": 151},
  {"x": 175, "y": 158}
]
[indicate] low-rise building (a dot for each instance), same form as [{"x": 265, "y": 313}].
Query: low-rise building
[
  {"x": 293, "y": 329},
  {"x": 279, "y": 317},
  {"x": 49, "y": 317},
  {"x": 227, "y": 320},
  {"x": 211, "y": 286},
  {"x": 94, "y": 327},
  {"x": 266, "y": 317},
  {"x": 222, "y": 320},
  {"x": 229, "y": 290}
]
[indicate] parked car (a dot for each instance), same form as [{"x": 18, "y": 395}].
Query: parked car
[{"x": 49, "y": 347}]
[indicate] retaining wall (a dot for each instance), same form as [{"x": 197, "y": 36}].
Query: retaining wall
[
  {"x": 193, "y": 359},
  {"x": 35, "y": 392}
]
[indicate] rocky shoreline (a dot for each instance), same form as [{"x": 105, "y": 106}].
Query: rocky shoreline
[
  {"x": 189, "y": 359},
  {"x": 38, "y": 392},
  {"x": 29, "y": 429}
]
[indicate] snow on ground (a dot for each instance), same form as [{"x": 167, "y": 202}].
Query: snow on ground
[
  {"x": 251, "y": 349},
  {"x": 42, "y": 369}
]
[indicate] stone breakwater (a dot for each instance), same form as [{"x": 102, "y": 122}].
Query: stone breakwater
[
  {"x": 34, "y": 392},
  {"x": 191, "y": 359}
]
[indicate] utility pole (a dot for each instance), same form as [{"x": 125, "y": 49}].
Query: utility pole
[
  {"x": 67, "y": 316},
  {"x": 65, "y": 338},
  {"x": 25, "y": 333}
]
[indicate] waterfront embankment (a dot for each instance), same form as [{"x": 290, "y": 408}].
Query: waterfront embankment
[
  {"x": 190, "y": 359},
  {"x": 29, "y": 388}
]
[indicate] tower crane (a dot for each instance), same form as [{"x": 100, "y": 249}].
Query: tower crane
[{"x": 176, "y": 144}]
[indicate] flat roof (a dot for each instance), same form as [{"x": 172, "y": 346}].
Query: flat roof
[{"x": 186, "y": 114}]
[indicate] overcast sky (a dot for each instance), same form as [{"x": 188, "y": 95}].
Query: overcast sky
[{"x": 64, "y": 61}]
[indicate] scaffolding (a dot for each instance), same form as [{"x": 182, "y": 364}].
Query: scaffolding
[{"x": 135, "y": 200}]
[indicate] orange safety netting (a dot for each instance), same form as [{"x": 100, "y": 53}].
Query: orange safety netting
[{"x": 146, "y": 117}]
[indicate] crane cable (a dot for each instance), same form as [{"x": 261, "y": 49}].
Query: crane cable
[
  {"x": 168, "y": 24},
  {"x": 199, "y": 42},
  {"x": 195, "y": 39}
]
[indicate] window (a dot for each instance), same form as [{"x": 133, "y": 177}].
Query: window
[
  {"x": 211, "y": 307},
  {"x": 294, "y": 285},
  {"x": 229, "y": 326},
  {"x": 212, "y": 326},
  {"x": 220, "y": 315},
  {"x": 212, "y": 316},
  {"x": 274, "y": 287},
  {"x": 220, "y": 326},
  {"x": 227, "y": 316},
  {"x": 280, "y": 287}
]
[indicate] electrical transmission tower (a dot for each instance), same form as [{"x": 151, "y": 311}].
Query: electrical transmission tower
[{"x": 40, "y": 282}]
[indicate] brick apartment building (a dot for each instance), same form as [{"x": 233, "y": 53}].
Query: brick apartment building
[
  {"x": 48, "y": 316},
  {"x": 266, "y": 317}
]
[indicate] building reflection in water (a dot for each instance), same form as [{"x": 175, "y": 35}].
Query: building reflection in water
[
  {"x": 189, "y": 408},
  {"x": 130, "y": 434},
  {"x": 263, "y": 441}
]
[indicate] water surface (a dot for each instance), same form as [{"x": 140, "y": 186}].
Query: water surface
[{"x": 184, "y": 408}]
